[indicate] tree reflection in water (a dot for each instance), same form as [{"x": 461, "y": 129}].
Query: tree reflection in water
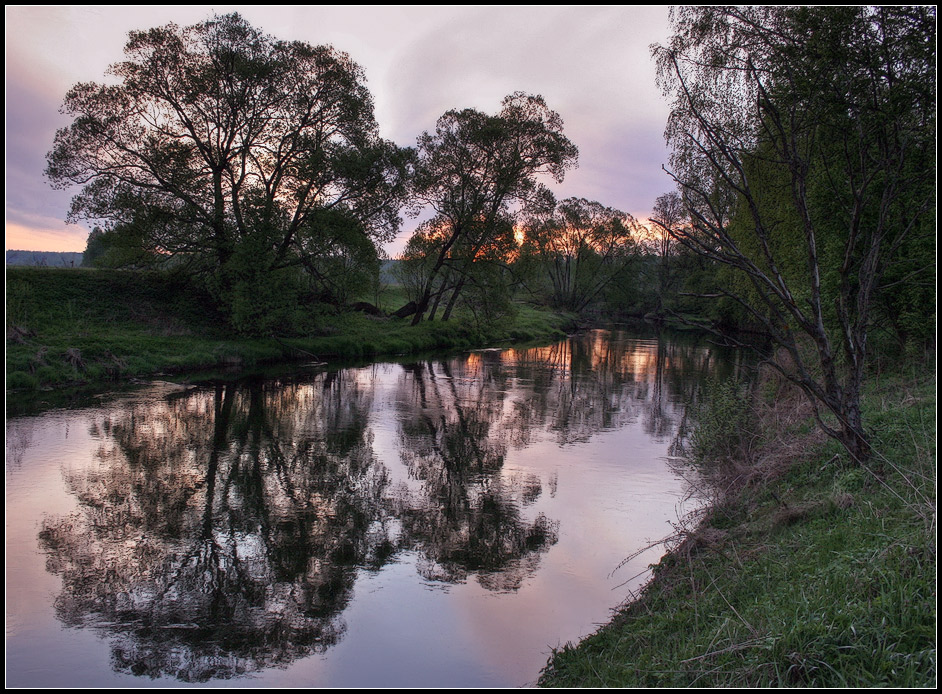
[
  {"x": 220, "y": 530},
  {"x": 469, "y": 518}
]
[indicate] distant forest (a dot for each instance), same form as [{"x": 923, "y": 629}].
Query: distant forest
[{"x": 44, "y": 258}]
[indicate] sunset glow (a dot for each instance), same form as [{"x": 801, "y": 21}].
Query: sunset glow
[
  {"x": 64, "y": 238},
  {"x": 594, "y": 69}
]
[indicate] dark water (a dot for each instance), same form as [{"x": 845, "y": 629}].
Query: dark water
[{"x": 435, "y": 523}]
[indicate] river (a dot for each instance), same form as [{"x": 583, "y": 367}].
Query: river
[{"x": 443, "y": 522}]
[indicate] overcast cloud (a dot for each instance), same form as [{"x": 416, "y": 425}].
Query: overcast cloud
[{"x": 591, "y": 64}]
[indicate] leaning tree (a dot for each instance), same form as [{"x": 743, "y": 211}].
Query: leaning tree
[
  {"x": 472, "y": 171},
  {"x": 803, "y": 146},
  {"x": 233, "y": 152}
]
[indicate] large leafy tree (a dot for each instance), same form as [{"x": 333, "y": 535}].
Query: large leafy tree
[
  {"x": 242, "y": 154},
  {"x": 803, "y": 146},
  {"x": 472, "y": 171}
]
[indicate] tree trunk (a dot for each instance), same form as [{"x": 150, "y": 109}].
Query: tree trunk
[
  {"x": 453, "y": 300},
  {"x": 853, "y": 437},
  {"x": 438, "y": 298},
  {"x": 420, "y": 308}
]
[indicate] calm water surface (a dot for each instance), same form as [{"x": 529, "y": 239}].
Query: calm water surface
[{"x": 434, "y": 523}]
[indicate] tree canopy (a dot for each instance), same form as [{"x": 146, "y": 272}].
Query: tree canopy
[
  {"x": 803, "y": 146},
  {"x": 220, "y": 143},
  {"x": 472, "y": 170}
]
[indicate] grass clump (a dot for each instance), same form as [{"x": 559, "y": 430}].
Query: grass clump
[{"x": 805, "y": 569}]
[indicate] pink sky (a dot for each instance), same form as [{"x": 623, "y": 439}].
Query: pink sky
[{"x": 592, "y": 65}]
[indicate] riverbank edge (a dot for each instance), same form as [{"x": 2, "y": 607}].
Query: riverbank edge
[
  {"x": 807, "y": 571},
  {"x": 87, "y": 331}
]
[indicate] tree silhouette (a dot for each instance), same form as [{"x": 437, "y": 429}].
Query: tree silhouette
[
  {"x": 470, "y": 171},
  {"x": 239, "y": 154}
]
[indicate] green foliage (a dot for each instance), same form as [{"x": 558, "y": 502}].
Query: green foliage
[
  {"x": 630, "y": 292},
  {"x": 342, "y": 261},
  {"x": 907, "y": 301},
  {"x": 19, "y": 303},
  {"x": 724, "y": 424},
  {"x": 258, "y": 300},
  {"x": 18, "y": 380},
  {"x": 95, "y": 247},
  {"x": 124, "y": 246},
  {"x": 489, "y": 294}
]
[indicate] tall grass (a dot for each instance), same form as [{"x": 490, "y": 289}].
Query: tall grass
[{"x": 807, "y": 570}]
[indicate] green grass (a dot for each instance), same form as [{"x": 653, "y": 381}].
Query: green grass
[
  {"x": 821, "y": 574},
  {"x": 68, "y": 328}
]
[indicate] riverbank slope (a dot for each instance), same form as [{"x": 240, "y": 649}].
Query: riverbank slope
[
  {"x": 69, "y": 328},
  {"x": 805, "y": 569}
]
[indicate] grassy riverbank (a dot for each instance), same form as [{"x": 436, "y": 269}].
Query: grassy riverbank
[
  {"x": 73, "y": 327},
  {"x": 806, "y": 571}
]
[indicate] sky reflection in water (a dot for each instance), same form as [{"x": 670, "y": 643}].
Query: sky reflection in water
[{"x": 441, "y": 522}]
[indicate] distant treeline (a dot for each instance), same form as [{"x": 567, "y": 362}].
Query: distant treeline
[
  {"x": 74, "y": 259},
  {"x": 44, "y": 258}
]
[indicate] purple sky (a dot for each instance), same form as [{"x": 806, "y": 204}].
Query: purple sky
[{"x": 591, "y": 64}]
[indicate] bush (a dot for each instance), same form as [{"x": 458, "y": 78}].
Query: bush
[{"x": 725, "y": 429}]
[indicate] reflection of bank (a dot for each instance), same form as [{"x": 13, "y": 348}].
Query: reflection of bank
[{"x": 605, "y": 379}]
